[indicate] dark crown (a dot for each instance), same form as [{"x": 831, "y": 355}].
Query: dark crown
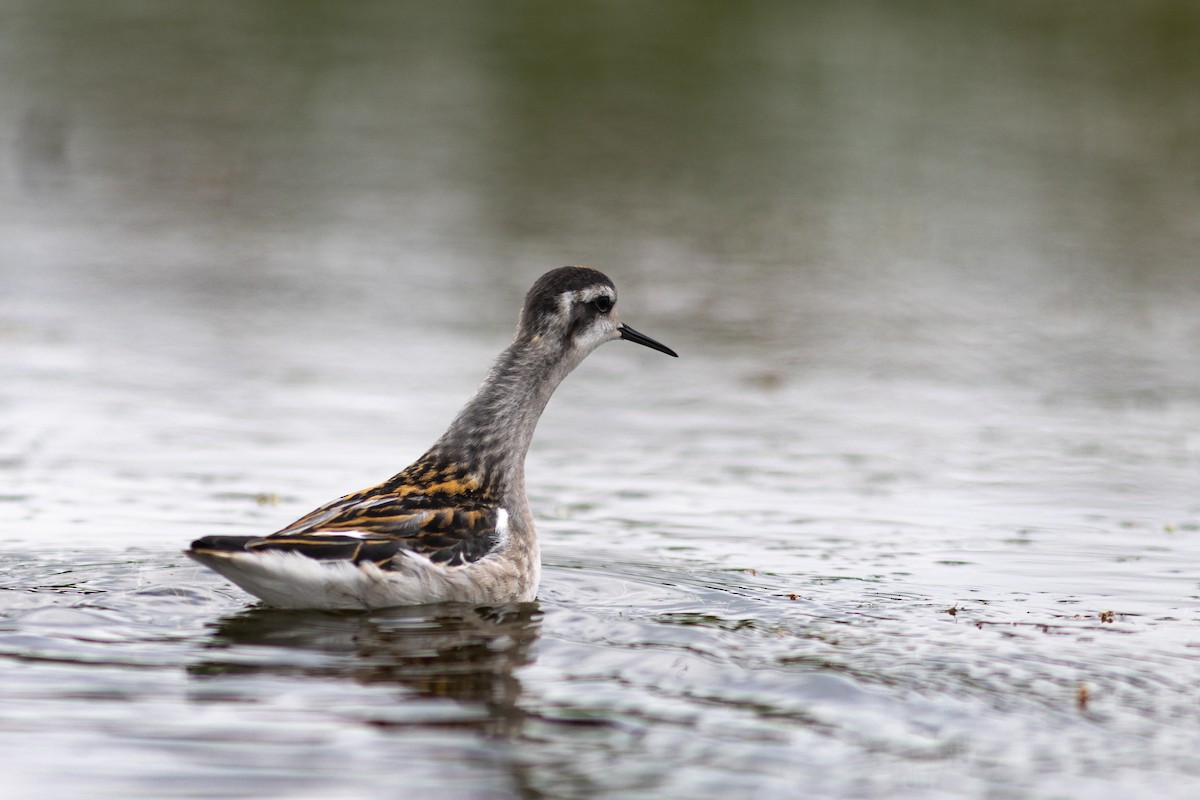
[{"x": 542, "y": 300}]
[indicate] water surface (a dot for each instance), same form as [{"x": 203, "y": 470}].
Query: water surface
[{"x": 914, "y": 514}]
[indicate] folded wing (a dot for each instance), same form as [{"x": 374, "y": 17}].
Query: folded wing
[{"x": 376, "y": 528}]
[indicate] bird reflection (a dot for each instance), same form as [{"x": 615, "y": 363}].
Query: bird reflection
[{"x": 452, "y": 651}]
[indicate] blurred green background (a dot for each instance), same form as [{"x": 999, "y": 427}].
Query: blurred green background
[{"x": 749, "y": 150}]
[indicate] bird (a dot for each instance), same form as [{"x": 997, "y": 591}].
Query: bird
[{"x": 454, "y": 526}]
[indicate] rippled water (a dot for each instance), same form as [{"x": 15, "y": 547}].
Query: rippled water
[{"x": 914, "y": 514}]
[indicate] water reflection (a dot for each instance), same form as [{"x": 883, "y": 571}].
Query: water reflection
[{"x": 441, "y": 652}]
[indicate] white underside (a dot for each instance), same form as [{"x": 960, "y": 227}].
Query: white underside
[{"x": 289, "y": 580}]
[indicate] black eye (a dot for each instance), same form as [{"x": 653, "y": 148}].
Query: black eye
[{"x": 603, "y": 304}]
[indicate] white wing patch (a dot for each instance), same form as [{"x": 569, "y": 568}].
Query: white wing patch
[
  {"x": 351, "y": 534},
  {"x": 501, "y": 529}
]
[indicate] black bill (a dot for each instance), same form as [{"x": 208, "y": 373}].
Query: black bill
[{"x": 630, "y": 335}]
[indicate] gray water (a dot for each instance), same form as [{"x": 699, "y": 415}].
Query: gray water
[{"x": 915, "y": 514}]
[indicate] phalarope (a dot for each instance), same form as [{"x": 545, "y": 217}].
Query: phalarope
[{"x": 454, "y": 526}]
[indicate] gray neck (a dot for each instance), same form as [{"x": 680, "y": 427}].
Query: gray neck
[{"x": 491, "y": 435}]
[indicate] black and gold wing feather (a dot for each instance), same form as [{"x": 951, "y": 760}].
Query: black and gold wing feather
[{"x": 435, "y": 513}]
